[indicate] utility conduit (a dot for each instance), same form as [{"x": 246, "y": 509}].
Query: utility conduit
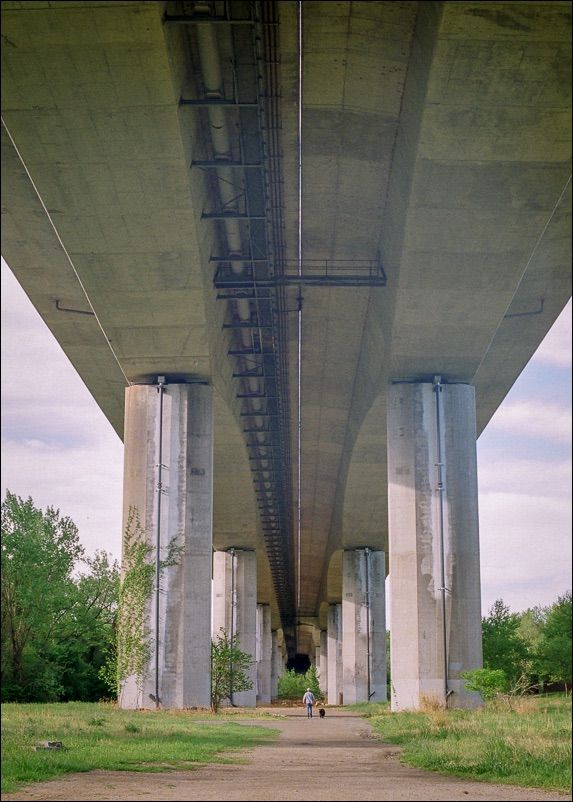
[
  {"x": 160, "y": 390},
  {"x": 368, "y": 625},
  {"x": 441, "y": 490}
]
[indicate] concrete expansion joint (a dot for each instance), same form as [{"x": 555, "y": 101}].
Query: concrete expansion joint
[
  {"x": 359, "y": 548},
  {"x": 430, "y": 380},
  {"x": 233, "y": 549},
  {"x": 154, "y": 382}
]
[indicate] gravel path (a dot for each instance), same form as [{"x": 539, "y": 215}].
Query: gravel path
[{"x": 335, "y": 758}]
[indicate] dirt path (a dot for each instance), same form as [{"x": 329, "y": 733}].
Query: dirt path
[{"x": 334, "y": 758}]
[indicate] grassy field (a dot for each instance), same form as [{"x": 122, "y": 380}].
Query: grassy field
[
  {"x": 528, "y": 746},
  {"x": 100, "y": 736}
]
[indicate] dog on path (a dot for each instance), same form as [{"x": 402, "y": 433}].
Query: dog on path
[{"x": 321, "y": 712}]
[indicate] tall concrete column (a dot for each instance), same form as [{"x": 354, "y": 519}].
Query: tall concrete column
[
  {"x": 264, "y": 654},
  {"x": 334, "y": 654},
  {"x": 235, "y": 608},
  {"x": 312, "y": 653},
  {"x": 168, "y": 502},
  {"x": 363, "y": 626},
  {"x": 277, "y": 666},
  {"x": 323, "y": 668},
  {"x": 284, "y": 656},
  {"x": 316, "y": 641},
  {"x": 434, "y": 543}
]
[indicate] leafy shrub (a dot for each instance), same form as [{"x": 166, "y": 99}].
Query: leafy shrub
[
  {"x": 229, "y": 669},
  {"x": 293, "y": 685},
  {"x": 490, "y": 682}
]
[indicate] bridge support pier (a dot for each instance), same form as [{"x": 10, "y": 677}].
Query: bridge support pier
[
  {"x": 434, "y": 543},
  {"x": 363, "y": 626},
  {"x": 168, "y": 499},
  {"x": 334, "y": 654},
  {"x": 235, "y": 608},
  {"x": 264, "y": 654},
  {"x": 316, "y": 641},
  {"x": 323, "y": 667},
  {"x": 277, "y": 665}
]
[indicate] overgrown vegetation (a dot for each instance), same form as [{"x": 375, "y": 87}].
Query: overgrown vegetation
[
  {"x": 100, "y": 736},
  {"x": 293, "y": 686},
  {"x": 531, "y": 649},
  {"x": 489, "y": 682},
  {"x": 56, "y": 626},
  {"x": 228, "y": 669},
  {"x": 528, "y": 745},
  {"x": 554, "y": 653},
  {"x": 130, "y": 651}
]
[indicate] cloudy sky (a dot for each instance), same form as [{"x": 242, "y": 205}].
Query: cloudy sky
[{"x": 58, "y": 448}]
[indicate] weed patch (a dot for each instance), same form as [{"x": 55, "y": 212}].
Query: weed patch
[
  {"x": 130, "y": 740},
  {"x": 528, "y": 746}
]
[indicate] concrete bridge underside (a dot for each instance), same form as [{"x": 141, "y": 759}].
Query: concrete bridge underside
[{"x": 433, "y": 141}]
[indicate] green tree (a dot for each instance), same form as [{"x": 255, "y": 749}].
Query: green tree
[
  {"x": 228, "y": 669},
  {"x": 489, "y": 682},
  {"x": 554, "y": 650},
  {"x": 56, "y": 627},
  {"x": 531, "y": 623},
  {"x": 90, "y": 629},
  {"x": 503, "y": 648},
  {"x": 292, "y": 684},
  {"x": 38, "y": 553}
]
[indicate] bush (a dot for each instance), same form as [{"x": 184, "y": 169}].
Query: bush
[
  {"x": 229, "y": 669},
  {"x": 487, "y": 681},
  {"x": 293, "y": 685}
]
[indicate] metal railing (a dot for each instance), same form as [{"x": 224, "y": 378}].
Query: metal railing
[{"x": 318, "y": 272}]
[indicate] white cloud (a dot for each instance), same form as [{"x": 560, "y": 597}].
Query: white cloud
[
  {"x": 525, "y": 549},
  {"x": 57, "y": 446},
  {"x": 543, "y": 478},
  {"x": 84, "y": 483},
  {"x": 556, "y": 347},
  {"x": 534, "y": 419},
  {"x": 40, "y": 388}
]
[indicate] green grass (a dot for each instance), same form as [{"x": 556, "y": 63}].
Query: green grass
[
  {"x": 100, "y": 736},
  {"x": 528, "y": 746}
]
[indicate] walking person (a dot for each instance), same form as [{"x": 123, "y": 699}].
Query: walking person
[{"x": 309, "y": 700}]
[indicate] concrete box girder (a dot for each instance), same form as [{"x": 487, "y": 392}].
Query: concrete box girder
[{"x": 435, "y": 134}]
